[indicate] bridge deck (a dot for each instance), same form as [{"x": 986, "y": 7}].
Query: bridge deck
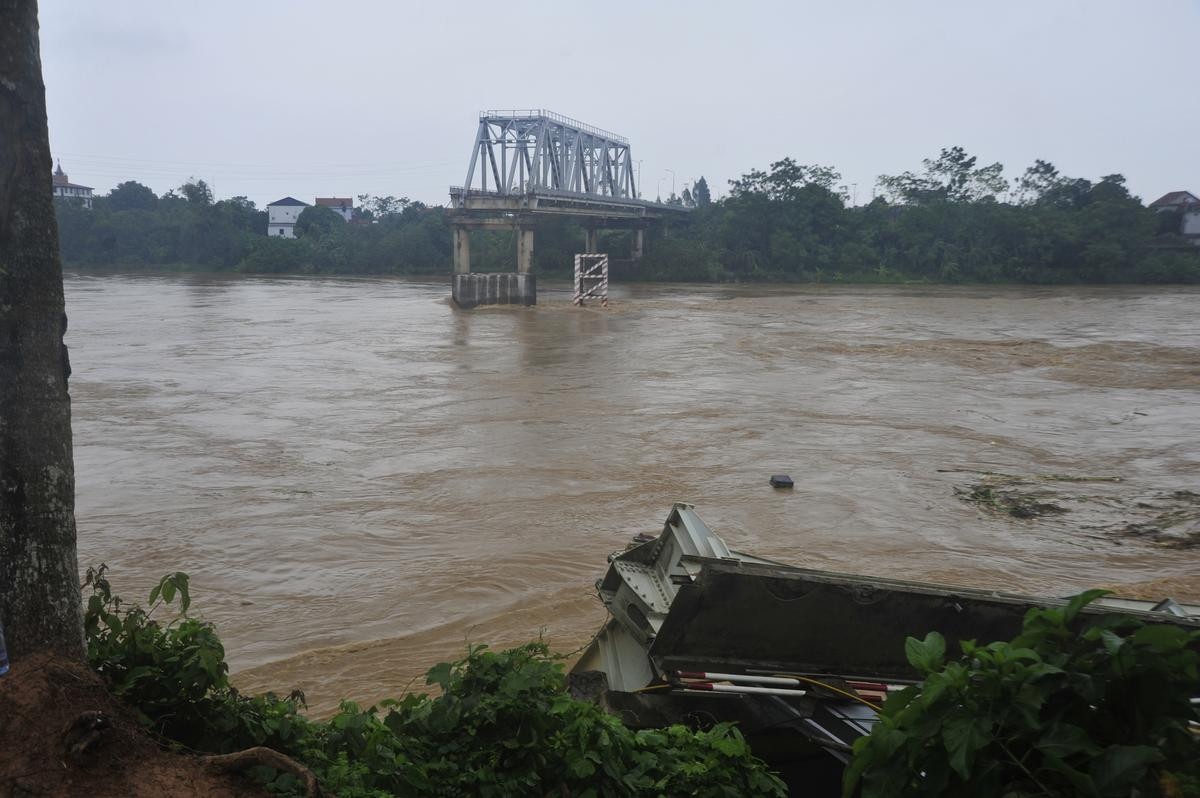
[{"x": 552, "y": 202}]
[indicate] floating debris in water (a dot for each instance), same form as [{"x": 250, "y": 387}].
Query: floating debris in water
[
  {"x": 1010, "y": 501},
  {"x": 1170, "y": 518}
]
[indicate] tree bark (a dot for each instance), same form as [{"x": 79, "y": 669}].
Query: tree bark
[{"x": 39, "y": 574}]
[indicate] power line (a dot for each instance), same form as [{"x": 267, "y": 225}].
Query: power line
[{"x": 312, "y": 167}]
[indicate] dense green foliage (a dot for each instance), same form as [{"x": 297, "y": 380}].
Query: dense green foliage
[
  {"x": 503, "y": 724},
  {"x": 953, "y": 221},
  {"x": 946, "y": 224},
  {"x": 1068, "y": 708},
  {"x": 175, "y": 675},
  {"x": 318, "y": 222},
  {"x": 186, "y": 229}
]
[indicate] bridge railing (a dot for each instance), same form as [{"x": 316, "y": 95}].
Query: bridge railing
[
  {"x": 532, "y": 113},
  {"x": 604, "y": 199}
]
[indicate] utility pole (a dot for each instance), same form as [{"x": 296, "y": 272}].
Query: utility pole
[{"x": 639, "y": 163}]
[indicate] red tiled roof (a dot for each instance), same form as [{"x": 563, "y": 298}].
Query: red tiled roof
[
  {"x": 1175, "y": 198},
  {"x": 335, "y": 202}
]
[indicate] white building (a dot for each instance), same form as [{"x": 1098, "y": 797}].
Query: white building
[
  {"x": 65, "y": 189},
  {"x": 1187, "y": 205},
  {"x": 282, "y": 215},
  {"x": 342, "y": 206}
]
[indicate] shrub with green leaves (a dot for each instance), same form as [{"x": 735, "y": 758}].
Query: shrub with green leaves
[
  {"x": 1073, "y": 706},
  {"x": 503, "y": 724},
  {"x": 174, "y": 674}
]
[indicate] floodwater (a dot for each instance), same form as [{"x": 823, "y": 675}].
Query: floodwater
[{"x": 360, "y": 479}]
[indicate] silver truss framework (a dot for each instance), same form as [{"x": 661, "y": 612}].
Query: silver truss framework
[{"x": 527, "y": 151}]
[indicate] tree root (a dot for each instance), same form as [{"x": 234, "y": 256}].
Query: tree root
[
  {"x": 84, "y": 732},
  {"x": 265, "y": 757}
]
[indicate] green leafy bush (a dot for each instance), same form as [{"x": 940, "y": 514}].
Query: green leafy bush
[
  {"x": 1067, "y": 708},
  {"x": 175, "y": 675},
  {"x": 503, "y": 724}
]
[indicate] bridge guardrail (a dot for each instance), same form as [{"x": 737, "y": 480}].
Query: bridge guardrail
[
  {"x": 579, "y": 195},
  {"x": 533, "y": 113}
]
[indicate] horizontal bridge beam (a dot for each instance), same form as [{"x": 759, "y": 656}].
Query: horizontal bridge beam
[
  {"x": 479, "y": 220},
  {"x": 561, "y": 203}
]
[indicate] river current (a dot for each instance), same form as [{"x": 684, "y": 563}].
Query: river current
[{"x": 361, "y": 479}]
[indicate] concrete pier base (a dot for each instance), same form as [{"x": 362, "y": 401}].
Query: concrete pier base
[
  {"x": 525, "y": 250},
  {"x": 461, "y": 250},
  {"x": 504, "y": 288}
]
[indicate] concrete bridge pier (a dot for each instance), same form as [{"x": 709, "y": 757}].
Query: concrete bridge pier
[
  {"x": 591, "y": 241},
  {"x": 461, "y": 250},
  {"x": 639, "y": 244},
  {"x": 497, "y": 288},
  {"x": 506, "y": 288},
  {"x": 524, "y": 250}
]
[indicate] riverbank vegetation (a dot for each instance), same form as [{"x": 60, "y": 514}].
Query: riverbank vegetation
[
  {"x": 953, "y": 220},
  {"x": 1095, "y": 706},
  {"x": 1076, "y": 705},
  {"x": 503, "y": 723}
]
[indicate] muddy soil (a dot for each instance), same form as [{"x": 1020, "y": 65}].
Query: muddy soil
[{"x": 63, "y": 736}]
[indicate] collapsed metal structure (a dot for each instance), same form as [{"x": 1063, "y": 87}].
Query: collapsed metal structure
[
  {"x": 800, "y": 658},
  {"x": 526, "y": 151}
]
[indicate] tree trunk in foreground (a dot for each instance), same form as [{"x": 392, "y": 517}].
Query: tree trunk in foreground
[{"x": 39, "y": 574}]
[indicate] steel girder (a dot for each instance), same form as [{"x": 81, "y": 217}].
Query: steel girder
[{"x": 526, "y": 152}]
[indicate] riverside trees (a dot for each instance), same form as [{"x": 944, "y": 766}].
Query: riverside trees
[
  {"x": 39, "y": 587},
  {"x": 954, "y": 220}
]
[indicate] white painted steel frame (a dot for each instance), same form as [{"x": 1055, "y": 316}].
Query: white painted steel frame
[
  {"x": 523, "y": 152},
  {"x": 591, "y": 278}
]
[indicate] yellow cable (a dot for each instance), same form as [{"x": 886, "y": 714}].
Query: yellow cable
[
  {"x": 652, "y": 687},
  {"x": 837, "y": 690}
]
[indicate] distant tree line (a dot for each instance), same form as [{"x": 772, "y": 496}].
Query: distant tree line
[
  {"x": 185, "y": 229},
  {"x": 954, "y": 220}
]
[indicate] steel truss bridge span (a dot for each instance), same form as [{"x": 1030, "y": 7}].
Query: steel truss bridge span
[
  {"x": 527, "y": 151},
  {"x": 527, "y": 166}
]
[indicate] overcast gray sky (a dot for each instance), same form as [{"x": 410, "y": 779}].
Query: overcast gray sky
[{"x": 292, "y": 97}]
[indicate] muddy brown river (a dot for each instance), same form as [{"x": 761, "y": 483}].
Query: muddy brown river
[{"x": 361, "y": 479}]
